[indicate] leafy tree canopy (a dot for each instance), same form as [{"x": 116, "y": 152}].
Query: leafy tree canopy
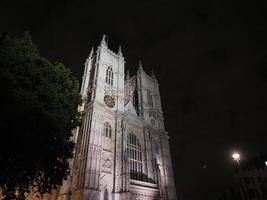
[{"x": 38, "y": 111}]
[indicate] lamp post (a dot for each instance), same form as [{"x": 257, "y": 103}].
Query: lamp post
[
  {"x": 236, "y": 157},
  {"x": 242, "y": 186}
]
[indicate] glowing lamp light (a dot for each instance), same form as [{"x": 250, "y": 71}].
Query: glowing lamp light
[
  {"x": 236, "y": 156},
  {"x": 266, "y": 163}
]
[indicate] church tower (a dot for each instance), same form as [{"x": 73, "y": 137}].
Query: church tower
[{"x": 122, "y": 150}]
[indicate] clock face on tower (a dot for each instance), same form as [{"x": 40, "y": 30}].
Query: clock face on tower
[{"x": 109, "y": 101}]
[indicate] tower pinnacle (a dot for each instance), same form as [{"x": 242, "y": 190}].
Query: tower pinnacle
[
  {"x": 153, "y": 74},
  {"x": 140, "y": 65},
  {"x": 103, "y": 41},
  {"x": 120, "y": 52},
  {"x": 112, "y": 101},
  {"x": 127, "y": 75},
  {"x": 91, "y": 53}
]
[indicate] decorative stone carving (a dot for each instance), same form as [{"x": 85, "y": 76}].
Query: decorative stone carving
[
  {"x": 117, "y": 168},
  {"x": 109, "y": 91},
  {"x": 106, "y": 163},
  {"x": 152, "y": 113}
]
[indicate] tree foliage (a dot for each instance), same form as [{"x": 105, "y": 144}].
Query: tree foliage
[{"x": 38, "y": 111}]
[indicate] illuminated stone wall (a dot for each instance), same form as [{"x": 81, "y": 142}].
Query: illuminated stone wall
[{"x": 132, "y": 161}]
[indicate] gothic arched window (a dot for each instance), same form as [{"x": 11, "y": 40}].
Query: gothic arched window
[
  {"x": 107, "y": 130},
  {"x": 109, "y": 76},
  {"x": 134, "y": 153},
  {"x": 149, "y": 98}
]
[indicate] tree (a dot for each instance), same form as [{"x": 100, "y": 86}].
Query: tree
[{"x": 38, "y": 111}]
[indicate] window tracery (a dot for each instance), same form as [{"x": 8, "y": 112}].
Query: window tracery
[
  {"x": 107, "y": 130},
  {"x": 149, "y": 98},
  {"x": 109, "y": 76},
  {"x": 134, "y": 153}
]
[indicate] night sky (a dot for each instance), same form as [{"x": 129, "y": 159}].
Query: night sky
[{"x": 210, "y": 58}]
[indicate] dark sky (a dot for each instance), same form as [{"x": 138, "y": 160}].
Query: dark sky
[{"x": 210, "y": 58}]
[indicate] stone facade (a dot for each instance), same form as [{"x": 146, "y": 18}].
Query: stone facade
[{"x": 122, "y": 150}]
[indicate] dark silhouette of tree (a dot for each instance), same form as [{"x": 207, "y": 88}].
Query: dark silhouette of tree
[{"x": 38, "y": 111}]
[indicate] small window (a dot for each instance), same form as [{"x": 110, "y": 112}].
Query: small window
[
  {"x": 109, "y": 76},
  {"x": 107, "y": 130},
  {"x": 149, "y": 98}
]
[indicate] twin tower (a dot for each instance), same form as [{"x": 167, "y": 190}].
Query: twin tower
[{"x": 122, "y": 150}]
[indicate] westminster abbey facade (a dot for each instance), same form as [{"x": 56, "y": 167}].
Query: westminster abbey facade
[{"x": 122, "y": 149}]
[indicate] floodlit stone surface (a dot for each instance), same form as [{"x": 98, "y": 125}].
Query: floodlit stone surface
[{"x": 122, "y": 149}]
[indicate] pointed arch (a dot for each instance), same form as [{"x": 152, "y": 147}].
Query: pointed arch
[
  {"x": 107, "y": 130},
  {"x": 149, "y": 98}
]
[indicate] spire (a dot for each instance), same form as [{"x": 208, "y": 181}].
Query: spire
[
  {"x": 103, "y": 41},
  {"x": 127, "y": 75},
  {"x": 120, "y": 52},
  {"x": 85, "y": 72},
  {"x": 140, "y": 65},
  {"x": 153, "y": 74},
  {"x": 91, "y": 53}
]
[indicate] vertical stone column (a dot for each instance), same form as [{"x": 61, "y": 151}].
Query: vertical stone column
[
  {"x": 117, "y": 158},
  {"x": 124, "y": 159},
  {"x": 140, "y": 90},
  {"x": 121, "y": 183},
  {"x": 125, "y": 176},
  {"x": 93, "y": 159},
  {"x": 171, "y": 191},
  {"x": 149, "y": 155},
  {"x": 165, "y": 167}
]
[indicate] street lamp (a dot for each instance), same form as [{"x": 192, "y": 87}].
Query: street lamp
[{"x": 236, "y": 157}]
